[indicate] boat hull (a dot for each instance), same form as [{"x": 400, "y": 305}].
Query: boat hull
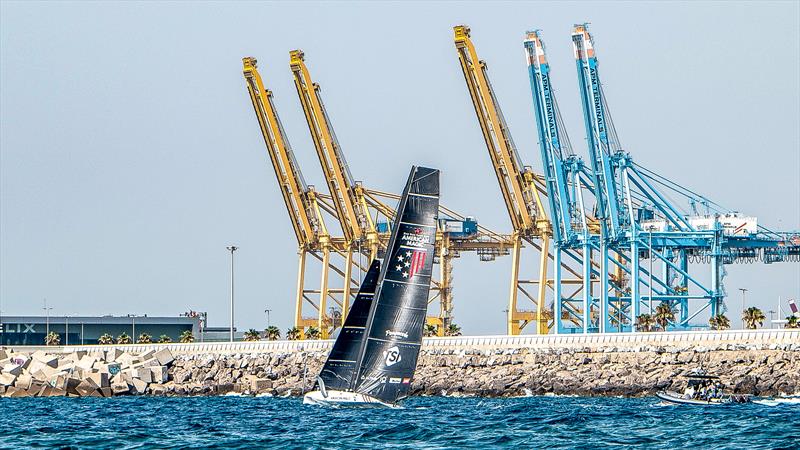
[
  {"x": 337, "y": 399},
  {"x": 674, "y": 397}
]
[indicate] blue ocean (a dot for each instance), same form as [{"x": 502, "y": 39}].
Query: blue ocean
[{"x": 424, "y": 422}]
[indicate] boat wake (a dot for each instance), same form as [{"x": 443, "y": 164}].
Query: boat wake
[{"x": 778, "y": 401}]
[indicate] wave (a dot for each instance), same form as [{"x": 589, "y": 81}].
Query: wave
[{"x": 778, "y": 401}]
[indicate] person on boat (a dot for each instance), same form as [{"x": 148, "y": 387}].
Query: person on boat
[{"x": 689, "y": 392}]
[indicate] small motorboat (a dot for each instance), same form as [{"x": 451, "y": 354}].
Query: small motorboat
[{"x": 702, "y": 389}]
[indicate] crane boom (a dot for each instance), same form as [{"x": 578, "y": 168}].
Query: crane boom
[
  {"x": 553, "y": 140},
  {"x": 350, "y": 209},
  {"x": 299, "y": 198},
  {"x": 599, "y": 133},
  {"x": 517, "y": 183}
]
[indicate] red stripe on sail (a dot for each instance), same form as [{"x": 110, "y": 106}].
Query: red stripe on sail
[{"x": 417, "y": 262}]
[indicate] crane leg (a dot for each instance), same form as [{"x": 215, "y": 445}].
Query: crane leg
[
  {"x": 322, "y": 324},
  {"x": 298, "y": 301},
  {"x": 513, "y": 328},
  {"x": 541, "y": 319}
]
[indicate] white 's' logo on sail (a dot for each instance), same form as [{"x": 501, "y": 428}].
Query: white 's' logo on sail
[{"x": 392, "y": 356}]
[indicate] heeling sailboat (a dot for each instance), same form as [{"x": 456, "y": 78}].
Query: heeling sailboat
[{"x": 373, "y": 360}]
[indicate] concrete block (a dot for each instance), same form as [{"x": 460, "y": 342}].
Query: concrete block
[
  {"x": 20, "y": 359},
  {"x": 16, "y": 392},
  {"x": 139, "y": 386},
  {"x": 159, "y": 374},
  {"x": 13, "y": 369},
  {"x": 157, "y": 389},
  {"x": 120, "y": 388},
  {"x": 41, "y": 356},
  {"x": 7, "y": 379},
  {"x": 113, "y": 368},
  {"x": 146, "y": 355},
  {"x": 24, "y": 381},
  {"x": 3, "y": 354},
  {"x": 113, "y": 354},
  {"x": 124, "y": 359},
  {"x": 71, "y": 385},
  {"x": 86, "y": 362},
  {"x": 100, "y": 379},
  {"x": 152, "y": 362},
  {"x": 35, "y": 366},
  {"x": 56, "y": 392},
  {"x": 66, "y": 364},
  {"x": 86, "y": 388},
  {"x": 106, "y": 391},
  {"x": 79, "y": 354},
  {"x": 144, "y": 374},
  {"x": 164, "y": 357},
  {"x": 260, "y": 384}
]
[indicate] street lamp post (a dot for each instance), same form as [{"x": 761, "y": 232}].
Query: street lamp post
[
  {"x": 232, "y": 249},
  {"x": 47, "y": 318},
  {"x": 268, "y": 311},
  {"x": 744, "y": 291}
]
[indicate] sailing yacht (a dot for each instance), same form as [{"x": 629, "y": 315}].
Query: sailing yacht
[{"x": 373, "y": 360}]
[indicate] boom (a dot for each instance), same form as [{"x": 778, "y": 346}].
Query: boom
[
  {"x": 348, "y": 197},
  {"x": 299, "y": 198}
]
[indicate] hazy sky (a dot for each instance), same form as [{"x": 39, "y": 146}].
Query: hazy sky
[{"x": 130, "y": 156}]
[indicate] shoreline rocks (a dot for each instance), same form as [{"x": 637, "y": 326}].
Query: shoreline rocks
[{"x": 764, "y": 370}]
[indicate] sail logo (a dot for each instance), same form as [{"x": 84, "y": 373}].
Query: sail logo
[
  {"x": 397, "y": 334},
  {"x": 409, "y": 262},
  {"x": 392, "y": 356},
  {"x": 415, "y": 238}
]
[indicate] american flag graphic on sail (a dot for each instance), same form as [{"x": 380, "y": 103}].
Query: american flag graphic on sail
[{"x": 409, "y": 262}]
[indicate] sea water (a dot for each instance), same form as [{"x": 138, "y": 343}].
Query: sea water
[{"x": 423, "y": 422}]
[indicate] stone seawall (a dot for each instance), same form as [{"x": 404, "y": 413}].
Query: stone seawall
[{"x": 766, "y": 363}]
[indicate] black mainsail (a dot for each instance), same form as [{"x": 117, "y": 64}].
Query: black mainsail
[
  {"x": 340, "y": 368},
  {"x": 388, "y": 356}
]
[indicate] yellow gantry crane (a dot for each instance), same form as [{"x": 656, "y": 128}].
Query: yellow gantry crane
[
  {"x": 519, "y": 185},
  {"x": 303, "y": 203},
  {"x": 354, "y": 203}
]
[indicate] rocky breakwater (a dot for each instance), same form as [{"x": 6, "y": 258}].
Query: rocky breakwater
[
  {"x": 766, "y": 370},
  {"x": 83, "y": 374}
]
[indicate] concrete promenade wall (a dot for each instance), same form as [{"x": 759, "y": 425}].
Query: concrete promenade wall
[{"x": 596, "y": 342}]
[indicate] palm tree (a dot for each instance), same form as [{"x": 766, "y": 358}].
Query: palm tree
[
  {"x": 106, "y": 339},
  {"x": 752, "y": 316},
  {"x": 719, "y": 322},
  {"x": 123, "y": 339},
  {"x": 144, "y": 338},
  {"x": 792, "y": 322},
  {"x": 665, "y": 314},
  {"x": 251, "y": 335},
  {"x": 187, "y": 337},
  {"x": 312, "y": 333},
  {"x": 272, "y": 333},
  {"x": 430, "y": 330},
  {"x": 52, "y": 338},
  {"x": 645, "y": 322},
  {"x": 293, "y": 334},
  {"x": 164, "y": 339},
  {"x": 452, "y": 330}
]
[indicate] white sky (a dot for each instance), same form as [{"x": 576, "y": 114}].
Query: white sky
[{"x": 130, "y": 157}]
